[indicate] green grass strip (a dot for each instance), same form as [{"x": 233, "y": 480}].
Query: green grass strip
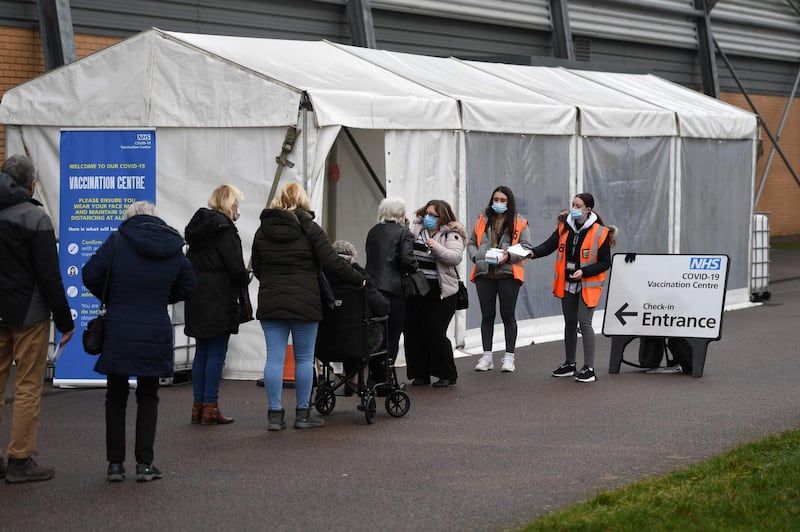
[{"x": 753, "y": 487}]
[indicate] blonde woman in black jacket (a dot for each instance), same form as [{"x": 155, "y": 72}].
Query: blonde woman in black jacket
[
  {"x": 213, "y": 312},
  {"x": 288, "y": 250}
]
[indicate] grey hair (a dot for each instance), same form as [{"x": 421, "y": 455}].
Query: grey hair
[
  {"x": 391, "y": 210},
  {"x": 21, "y": 170},
  {"x": 345, "y": 249},
  {"x": 140, "y": 207}
]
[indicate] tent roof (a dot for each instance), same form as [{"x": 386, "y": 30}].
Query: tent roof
[
  {"x": 488, "y": 103},
  {"x": 168, "y": 79},
  {"x": 698, "y": 114}
]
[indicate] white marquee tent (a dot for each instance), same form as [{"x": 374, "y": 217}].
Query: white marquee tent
[{"x": 664, "y": 163}]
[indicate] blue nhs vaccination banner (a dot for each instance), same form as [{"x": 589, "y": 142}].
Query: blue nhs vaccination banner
[{"x": 102, "y": 173}]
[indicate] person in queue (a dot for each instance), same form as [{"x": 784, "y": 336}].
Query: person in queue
[
  {"x": 376, "y": 305},
  {"x": 584, "y": 254},
  {"x": 500, "y": 275},
  {"x": 214, "y": 312},
  {"x": 148, "y": 272},
  {"x": 32, "y": 288},
  {"x": 390, "y": 255},
  {"x": 439, "y": 241},
  {"x": 289, "y": 249}
]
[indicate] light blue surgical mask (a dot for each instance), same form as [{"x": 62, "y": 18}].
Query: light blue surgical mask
[
  {"x": 430, "y": 222},
  {"x": 499, "y": 208},
  {"x": 575, "y": 213}
]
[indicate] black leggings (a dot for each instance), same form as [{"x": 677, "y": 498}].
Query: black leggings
[{"x": 489, "y": 290}]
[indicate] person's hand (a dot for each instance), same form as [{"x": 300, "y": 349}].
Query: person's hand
[
  {"x": 66, "y": 337},
  {"x": 531, "y": 255},
  {"x": 430, "y": 243},
  {"x": 578, "y": 275},
  {"x": 504, "y": 258}
]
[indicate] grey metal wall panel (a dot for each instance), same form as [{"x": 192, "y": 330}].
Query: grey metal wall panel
[
  {"x": 757, "y": 28},
  {"x": 404, "y": 32},
  {"x": 533, "y": 14},
  {"x": 616, "y": 32},
  {"x": 635, "y": 24}
]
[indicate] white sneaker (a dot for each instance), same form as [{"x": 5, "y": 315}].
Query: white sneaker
[
  {"x": 508, "y": 363},
  {"x": 484, "y": 363}
]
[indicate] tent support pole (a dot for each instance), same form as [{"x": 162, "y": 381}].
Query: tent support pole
[
  {"x": 778, "y": 137},
  {"x": 755, "y": 110},
  {"x": 365, "y": 161}
]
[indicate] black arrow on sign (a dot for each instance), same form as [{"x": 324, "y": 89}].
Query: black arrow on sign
[{"x": 620, "y": 313}]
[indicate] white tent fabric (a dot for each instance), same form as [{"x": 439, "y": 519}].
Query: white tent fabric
[
  {"x": 605, "y": 112},
  {"x": 519, "y": 111},
  {"x": 429, "y": 127}
]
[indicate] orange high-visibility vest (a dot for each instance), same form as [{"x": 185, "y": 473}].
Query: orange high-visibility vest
[
  {"x": 520, "y": 224},
  {"x": 591, "y": 287}
]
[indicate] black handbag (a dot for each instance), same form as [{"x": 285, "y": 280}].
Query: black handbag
[
  {"x": 245, "y": 306},
  {"x": 414, "y": 284},
  {"x": 325, "y": 291},
  {"x": 95, "y": 330},
  {"x": 462, "y": 298}
]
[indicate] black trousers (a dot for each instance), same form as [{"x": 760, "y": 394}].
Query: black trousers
[
  {"x": 428, "y": 349},
  {"x": 146, "y": 417},
  {"x": 397, "y": 313}
]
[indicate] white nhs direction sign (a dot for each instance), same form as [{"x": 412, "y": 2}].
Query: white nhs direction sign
[{"x": 666, "y": 295}]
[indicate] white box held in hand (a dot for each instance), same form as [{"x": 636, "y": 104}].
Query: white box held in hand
[{"x": 493, "y": 255}]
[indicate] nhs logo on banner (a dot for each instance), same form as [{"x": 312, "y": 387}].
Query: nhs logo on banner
[{"x": 705, "y": 263}]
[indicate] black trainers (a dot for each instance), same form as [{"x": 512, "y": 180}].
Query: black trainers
[
  {"x": 27, "y": 470},
  {"x": 565, "y": 370},
  {"x": 146, "y": 473},
  {"x": 116, "y": 472},
  {"x": 586, "y": 374}
]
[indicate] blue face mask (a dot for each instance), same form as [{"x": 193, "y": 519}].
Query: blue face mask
[
  {"x": 499, "y": 208},
  {"x": 430, "y": 222},
  {"x": 575, "y": 213}
]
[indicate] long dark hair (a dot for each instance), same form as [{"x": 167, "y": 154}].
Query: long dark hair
[
  {"x": 446, "y": 214},
  {"x": 511, "y": 213}
]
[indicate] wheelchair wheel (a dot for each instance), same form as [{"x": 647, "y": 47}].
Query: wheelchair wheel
[
  {"x": 325, "y": 401},
  {"x": 397, "y": 403},
  {"x": 370, "y": 408}
]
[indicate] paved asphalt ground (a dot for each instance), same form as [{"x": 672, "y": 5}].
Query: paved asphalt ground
[{"x": 493, "y": 452}]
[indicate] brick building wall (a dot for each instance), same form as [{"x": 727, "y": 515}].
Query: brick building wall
[{"x": 22, "y": 58}]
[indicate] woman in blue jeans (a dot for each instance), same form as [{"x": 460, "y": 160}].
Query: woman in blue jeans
[
  {"x": 288, "y": 250},
  {"x": 213, "y": 312}
]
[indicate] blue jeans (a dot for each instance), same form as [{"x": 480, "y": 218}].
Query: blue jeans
[
  {"x": 304, "y": 337},
  {"x": 209, "y": 359}
]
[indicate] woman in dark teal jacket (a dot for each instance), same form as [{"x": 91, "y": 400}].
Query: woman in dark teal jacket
[{"x": 148, "y": 272}]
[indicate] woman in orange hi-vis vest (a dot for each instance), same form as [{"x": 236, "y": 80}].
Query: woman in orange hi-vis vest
[
  {"x": 584, "y": 254},
  {"x": 497, "y": 274}
]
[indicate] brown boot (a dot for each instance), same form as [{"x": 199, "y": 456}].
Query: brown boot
[
  {"x": 197, "y": 413},
  {"x": 212, "y": 415}
]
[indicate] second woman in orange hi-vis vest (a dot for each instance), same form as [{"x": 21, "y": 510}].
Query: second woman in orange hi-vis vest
[
  {"x": 498, "y": 274},
  {"x": 584, "y": 254}
]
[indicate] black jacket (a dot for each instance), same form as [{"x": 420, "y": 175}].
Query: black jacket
[
  {"x": 30, "y": 277},
  {"x": 390, "y": 253},
  {"x": 215, "y": 251},
  {"x": 149, "y": 271},
  {"x": 288, "y": 250}
]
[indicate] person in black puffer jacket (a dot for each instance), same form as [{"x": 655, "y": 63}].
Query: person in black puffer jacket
[
  {"x": 214, "y": 311},
  {"x": 148, "y": 272},
  {"x": 288, "y": 250}
]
